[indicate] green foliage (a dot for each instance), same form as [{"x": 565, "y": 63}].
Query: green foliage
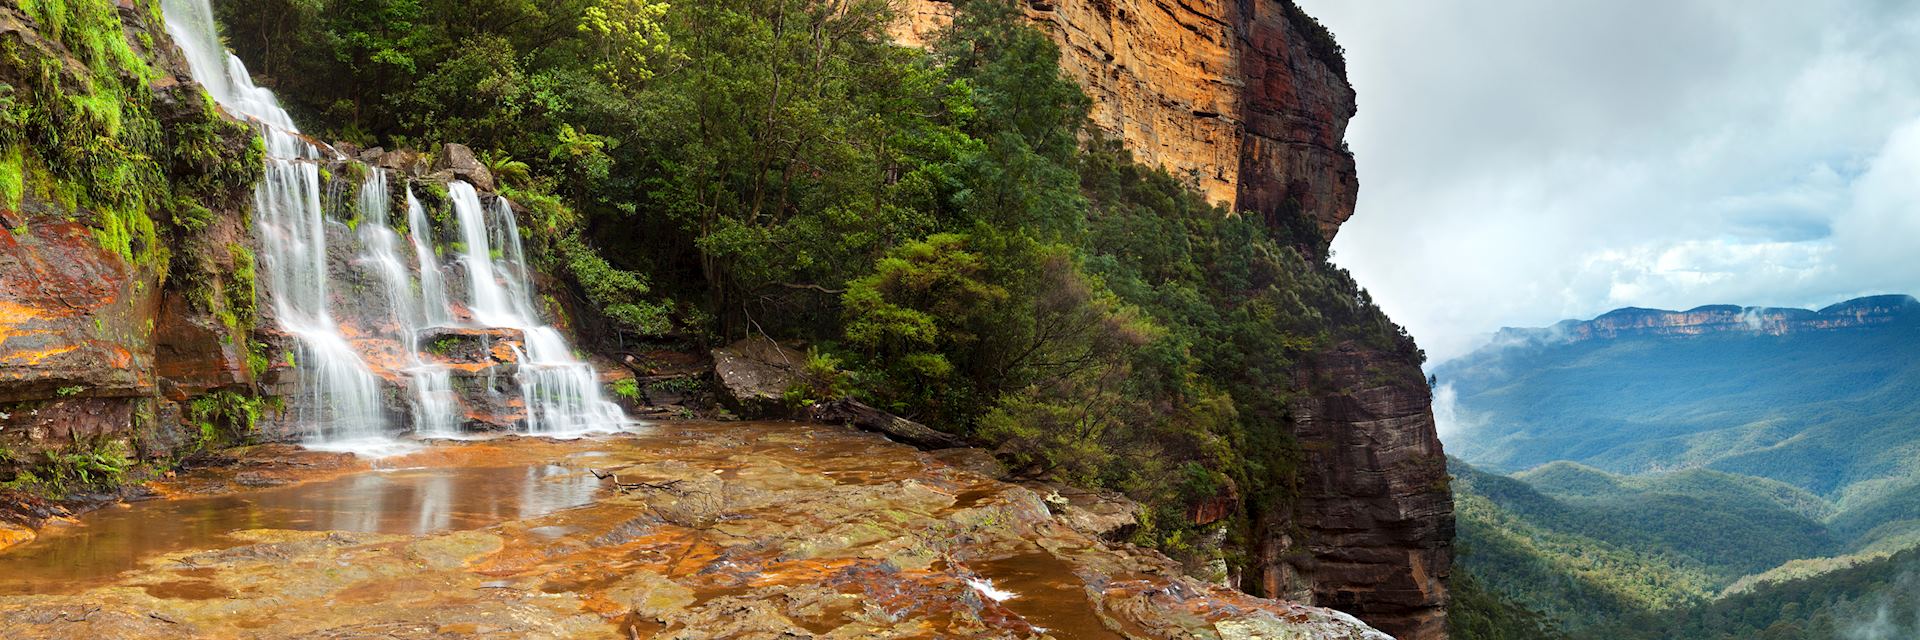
[
  {"x": 820, "y": 380},
  {"x": 1873, "y": 599},
  {"x": 259, "y": 358},
  {"x": 1475, "y": 613},
  {"x": 620, "y": 295},
  {"x": 1319, "y": 40},
  {"x": 242, "y": 287},
  {"x": 89, "y": 137},
  {"x": 223, "y": 418},
  {"x": 506, "y": 170},
  {"x": 924, "y": 300},
  {"x": 629, "y": 37},
  {"x": 13, "y": 176},
  {"x": 1614, "y": 557},
  {"x": 85, "y": 465},
  {"x": 628, "y": 388},
  {"x": 444, "y": 346}
]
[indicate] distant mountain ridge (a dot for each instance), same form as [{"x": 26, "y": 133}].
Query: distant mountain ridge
[
  {"x": 1828, "y": 400},
  {"x": 1634, "y": 321}
]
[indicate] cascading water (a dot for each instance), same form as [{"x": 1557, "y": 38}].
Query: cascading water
[
  {"x": 341, "y": 404},
  {"x": 433, "y": 286},
  {"x": 435, "y": 411},
  {"x": 343, "y": 395},
  {"x": 561, "y": 393}
]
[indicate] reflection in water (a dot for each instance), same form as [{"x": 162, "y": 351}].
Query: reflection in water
[
  {"x": 436, "y": 508},
  {"x": 414, "y": 501},
  {"x": 550, "y": 483}
]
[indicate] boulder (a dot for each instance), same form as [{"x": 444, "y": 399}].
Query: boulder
[
  {"x": 460, "y": 160},
  {"x": 754, "y": 376},
  {"x": 404, "y": 161},
  {"x": 1101, "y": 514}
]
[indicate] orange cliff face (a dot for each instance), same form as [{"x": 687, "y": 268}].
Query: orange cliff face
[
  {"x": 1229, "y": 96},
  {"x": 1247, "y": 101}
]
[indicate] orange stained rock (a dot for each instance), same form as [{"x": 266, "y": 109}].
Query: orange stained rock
[
  {"x": 31, "y": 358},
  {"x": 14, "y": 316},
  {"x": 738, "y": 536}
]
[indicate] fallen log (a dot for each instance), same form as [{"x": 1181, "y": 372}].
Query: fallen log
[{"x": 865, "y": 417}]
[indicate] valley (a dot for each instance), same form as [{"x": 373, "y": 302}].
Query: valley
[{"x": 1662, "y": 466}]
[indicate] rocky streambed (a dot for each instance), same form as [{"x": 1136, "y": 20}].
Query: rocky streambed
[{"x": 688, "y": 530}]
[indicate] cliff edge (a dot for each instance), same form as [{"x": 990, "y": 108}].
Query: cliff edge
[{"x": 1248, "y": 101}]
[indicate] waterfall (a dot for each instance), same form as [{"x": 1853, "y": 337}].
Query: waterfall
[
  {"x": 435, "y": 411},
  {"x": 342, "y": 395},
  {"x": 433, "y": 288},
  {"x": 561, "y": 393},
  {"x": 342, "y": 367}
]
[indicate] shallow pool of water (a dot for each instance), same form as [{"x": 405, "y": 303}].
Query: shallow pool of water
[{"x": 102, "y": 544}]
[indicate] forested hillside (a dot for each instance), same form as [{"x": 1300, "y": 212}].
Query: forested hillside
[
  {"x": 940, "y": 225},
  {"x": 1690, "y": 555}
]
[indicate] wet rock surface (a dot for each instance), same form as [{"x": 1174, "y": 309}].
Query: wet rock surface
[
  {"x": 693, "y": 530},
  {"x": 755, "y": 373}
]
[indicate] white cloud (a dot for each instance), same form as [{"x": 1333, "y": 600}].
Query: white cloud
[{"x": 1524, "y": 162}]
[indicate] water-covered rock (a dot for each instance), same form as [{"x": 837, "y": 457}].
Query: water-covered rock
[{"x": 696, "y": 531}]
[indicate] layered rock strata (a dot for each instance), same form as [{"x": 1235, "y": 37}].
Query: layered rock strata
[
  {"x": 111, "y": 323},
  {"x": 1245, "y": 100}
]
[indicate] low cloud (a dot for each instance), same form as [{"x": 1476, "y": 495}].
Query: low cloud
[{"x": 1446, "y": 411}]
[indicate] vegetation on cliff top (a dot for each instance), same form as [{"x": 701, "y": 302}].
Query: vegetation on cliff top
[{"x": 941, "y": 224}]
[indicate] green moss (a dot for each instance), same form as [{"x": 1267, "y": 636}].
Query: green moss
[
  {"x": 444, "y": 346},
  {"x": 242, "y": 288},
  {"x": 12, "y": 178},
  {"x": 92, "y": 129},
  {"x": 96, "y": 464},
  {"x": 258, "y": 359}
]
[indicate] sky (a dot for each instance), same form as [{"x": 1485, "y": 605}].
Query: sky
[{"x": 1523, "y": 162}]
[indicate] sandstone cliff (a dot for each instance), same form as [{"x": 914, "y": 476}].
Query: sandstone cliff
[
  {"x": 1372, "y": 529},
  {"x": 1248, "y": 101}
]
